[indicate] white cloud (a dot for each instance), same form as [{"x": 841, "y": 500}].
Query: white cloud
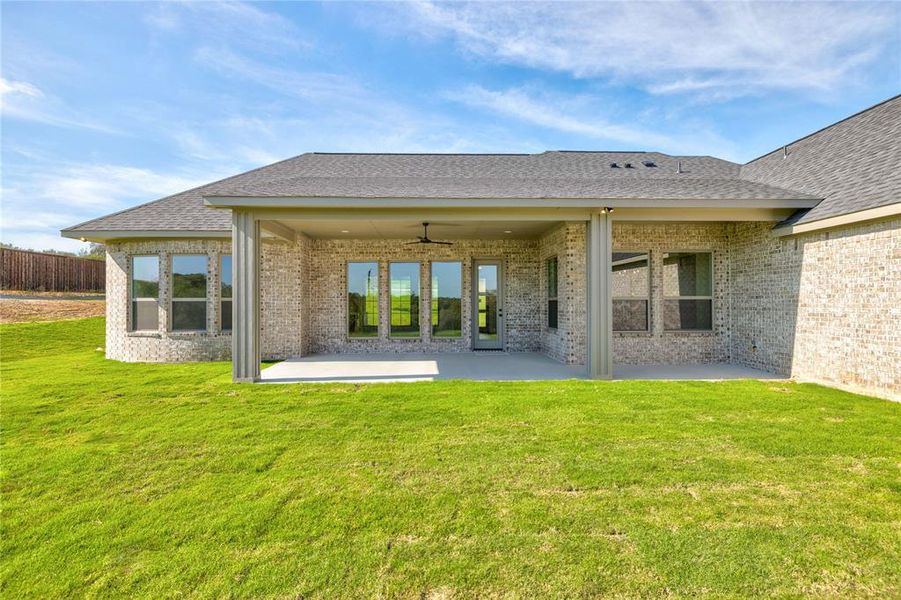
[
  {"x": 110, "y": 186},
  {"x": 520, "y": 104},
  {"x": 305, "y": 85},
  {"x": 19, "y": 87},
  {"x": 724, "y": 49},
  {"x": 238, "y": 23},
  {"x": 584, "y": 116},
  {"x": 43, "y": 198},
  {"x": 25, "y": 101},
  {"x": 41, "y": 241}
]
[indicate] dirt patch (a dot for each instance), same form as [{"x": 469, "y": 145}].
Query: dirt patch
[{"x": 51, "y": 308}]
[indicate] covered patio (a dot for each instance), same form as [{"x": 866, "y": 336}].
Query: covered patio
[
  {"x": 313, "y": 293},
  {"x": 478, "y": 366}
]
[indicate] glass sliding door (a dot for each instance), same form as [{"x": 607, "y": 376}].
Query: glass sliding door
[{"x": 488, "y": 305}]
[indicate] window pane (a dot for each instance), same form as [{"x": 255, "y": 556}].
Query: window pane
[
  {"x": 145, "y": 315},
  {"x": 687, "y": 274},
  {"x": 447, "y": 299},
  {"x": 631, "y": 291},
  {"x": 630, "y": 275},
  {"x": 488, "y": 297},
  {"x": 145, "y": 274},
  {"x": 552, "y": 277},
  {"x": 630, "y": 315},
  {"x": 189, "y": 276},
  {"x": 405, "y": 299},
  {"x": 552, "y": 314},
  {"x": 225, "y": 276},
  {"x": 189, "y": 315},
  {"x": 363, "y": 299},
  {"x": 687, "y": 314},
  {"x": 226, "y": 315}
]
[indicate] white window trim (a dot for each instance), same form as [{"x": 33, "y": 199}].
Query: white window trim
[
  {"x": 710, "y": 297},
  {"x": 431, "y": 299},
  {"x": 130, "y": 323},
  {"x": 647, "y": 298},
  {"x": 173, "y": 299}
]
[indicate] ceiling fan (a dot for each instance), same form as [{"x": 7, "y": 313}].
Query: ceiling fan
[{"x": 424, "y": 238}]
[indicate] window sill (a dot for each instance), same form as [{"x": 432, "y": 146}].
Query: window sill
[
  {"x": 448, "y": 339},
  {"x": 689, "y": 333},
  {"x": 639, "y": 334},
  {"x": 144, "y": 334},
  {"x": 188, "y": 334}
]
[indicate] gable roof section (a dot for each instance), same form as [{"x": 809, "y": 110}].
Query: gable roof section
[
  {"x": 854, "y": 164},
  {"x": 549, "y": 175}
]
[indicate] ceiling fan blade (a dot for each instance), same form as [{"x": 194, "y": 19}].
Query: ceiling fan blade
[
  {"x": 444, "y": 243},
  {"x": 411, "y": 243}
]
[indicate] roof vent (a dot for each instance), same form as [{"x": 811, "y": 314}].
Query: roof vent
[
  {"x": 629, "y": 166},
  {"x": 614, "y": 166},
  {"x": 679, "y": 168},
  {"x": 784, "y": 151},
  {"x": 649, "y": 163}
]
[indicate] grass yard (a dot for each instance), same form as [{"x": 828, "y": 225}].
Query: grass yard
[{"x": 159, "y": 481}]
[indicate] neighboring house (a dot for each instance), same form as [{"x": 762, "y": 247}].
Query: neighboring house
[{"x": 789, "y": 263}]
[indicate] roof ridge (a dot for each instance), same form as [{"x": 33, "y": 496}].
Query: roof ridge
[
  {"x": 422, "y": 153},
  {"x": 822, "y": 129},
  {"x": 604, "y": 152}
]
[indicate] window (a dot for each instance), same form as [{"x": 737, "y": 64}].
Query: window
[
  {"x": 631, "y": 291},
  {"x": 447, "y": 299},
  {"x": 688, "y": 291},
  {"x": 552, "y": 292},
  {"x": 404, "y": 299},
  {"x": 145, "y": 293},
  {"x": 225, "y": 292},
  {"x": 362, "y": 299},
  {"x": 189, "y": 275}
]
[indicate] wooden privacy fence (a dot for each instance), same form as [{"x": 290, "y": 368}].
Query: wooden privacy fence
[{"x": 41, "y": 272}]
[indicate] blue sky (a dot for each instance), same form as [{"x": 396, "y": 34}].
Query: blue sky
[{"x": 108, "y": 105}]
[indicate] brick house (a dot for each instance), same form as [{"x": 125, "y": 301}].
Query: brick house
[{"x": 790, "y": 263}]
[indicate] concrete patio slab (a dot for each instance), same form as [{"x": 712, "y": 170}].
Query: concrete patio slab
[{"x": 475, "y": 366}]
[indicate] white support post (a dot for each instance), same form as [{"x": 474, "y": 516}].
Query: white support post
[
  {"x": 600, "y": 299},
  {"x": 246, "y": 248}
]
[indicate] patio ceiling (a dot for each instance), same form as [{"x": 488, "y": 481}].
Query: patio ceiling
[{"x": 410, "y": 228}]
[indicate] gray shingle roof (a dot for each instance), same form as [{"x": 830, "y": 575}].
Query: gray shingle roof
[
  {"x": 854, "y": 164},
  {"x": 559, "y": 174}
]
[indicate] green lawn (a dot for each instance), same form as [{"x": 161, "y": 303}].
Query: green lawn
[{"x": 167, "y": 480}]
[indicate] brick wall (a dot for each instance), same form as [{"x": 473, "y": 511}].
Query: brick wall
[
  {"x": 566, "y": 343},
  {"x": 669, "y": 347},
  {"x": 328, "y": 299},
  {"x": 283, "y": 308},
  {"x": 162, "y": 345},
  {"x": 823, "y": 306},
  {"x": 284, "y": 299}
]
